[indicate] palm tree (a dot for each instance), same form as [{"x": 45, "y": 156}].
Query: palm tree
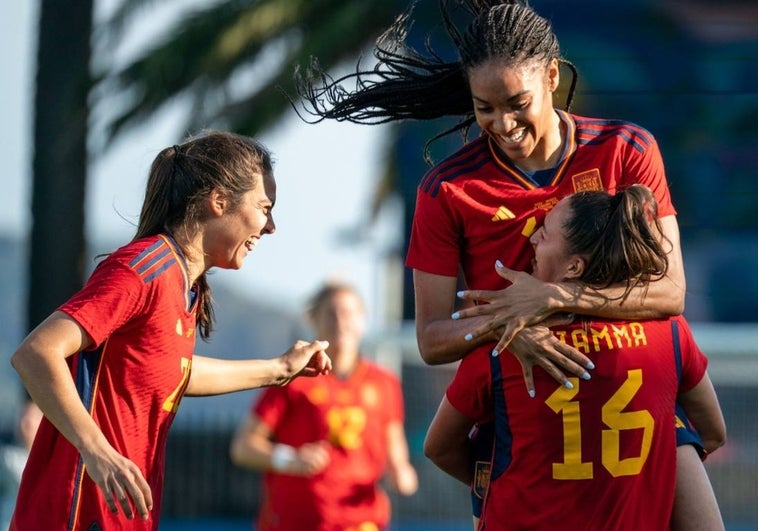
[
  {"x": 56, "y": 259},
  {"x": 235, "y": 60}
]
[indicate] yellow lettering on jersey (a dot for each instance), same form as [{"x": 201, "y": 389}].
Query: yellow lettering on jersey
[
  {"x": 575, "y": 466},
  {"x": 601, "y": 335},
  {"x": 572, "y": 467},
  {"x": 171, "y": 404},
  {"x": 579, "y": 340},
  {"x": 619, "y": 420},
  {"x": 638, "y": 334},
  {"x": 622, "y": 336},
  {"x": 547, "y": 204},
  {"x": 594, "y": 339}
]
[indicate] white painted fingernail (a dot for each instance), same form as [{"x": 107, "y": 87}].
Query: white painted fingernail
[{"x": 531, "y": 393}]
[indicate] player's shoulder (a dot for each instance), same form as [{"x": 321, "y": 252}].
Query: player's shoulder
[
  {"x": 463, "y": 162},
  {"x": 594, "y": 131},
  {"x": 147, "y": 257}
]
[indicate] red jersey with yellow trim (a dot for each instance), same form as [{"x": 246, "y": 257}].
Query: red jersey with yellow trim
[
  {"x": 137, "y": 309},
  {"x": 476, "y": 206},
  {"x": 602, "y": 452},
  {"x": 353, "y": 415}
]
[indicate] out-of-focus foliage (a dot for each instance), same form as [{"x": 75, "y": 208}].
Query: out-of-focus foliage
[{"x": 235, "y": 59}]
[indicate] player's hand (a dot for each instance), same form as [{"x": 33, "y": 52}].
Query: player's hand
[
  {"x": 120, "y": 481},
  {"x": 306, "y": 359},
  {"x": 312, "y": 458},
  {"x": 537, "y": 346},
  {"x": 404, "y": 479},
  {"x": 524, "y": 303}
]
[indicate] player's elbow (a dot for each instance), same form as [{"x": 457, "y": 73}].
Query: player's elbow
[
  {"x": 676, "y": 305},
  {"x": 428, "y": 356},
  {"x": 714, "y": 441},
  {"x": 434, "y": 454},
  {"x": 433, "y": 355}
]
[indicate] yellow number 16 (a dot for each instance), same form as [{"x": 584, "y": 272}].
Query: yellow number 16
[{"x": 614, "y": 418}]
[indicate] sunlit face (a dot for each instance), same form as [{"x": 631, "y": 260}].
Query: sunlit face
[
  {"x": 341, "y": 320},
  {"x": 552, "y": 260},
  {"x": 513, "y": 104},
  {"x": 233, "y": 234}
]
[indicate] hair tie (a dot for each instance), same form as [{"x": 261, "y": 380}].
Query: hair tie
[{"x": 177, "y": 149}]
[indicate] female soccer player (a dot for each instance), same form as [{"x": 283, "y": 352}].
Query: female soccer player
[
  {"x": 109, "y": 367},
  {"x": 605, "y": 445},
  {"x": 327, "y": 442},
  {"x": 483, "y": 202}
]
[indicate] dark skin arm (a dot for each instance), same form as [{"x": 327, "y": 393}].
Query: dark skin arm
[
  {"x": 442, "y": 339},
  {"x": 528, "y": 301}
]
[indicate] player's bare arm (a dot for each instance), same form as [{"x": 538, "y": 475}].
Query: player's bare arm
[
  {"x": 447, "y": 443},
  {"x": 41, "y": 363},
  {"x": 443, "y": 339},
  {"x": 213, "y": 376},
  {"x": 529, "y": 301}
]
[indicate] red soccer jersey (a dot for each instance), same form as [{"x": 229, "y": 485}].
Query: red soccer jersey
[
  {"x": 599, "y": 456},
  {"x": 136, "y": 308},
  {"x": 476, "y": 206},
  {"x": 352, "y": 414}
]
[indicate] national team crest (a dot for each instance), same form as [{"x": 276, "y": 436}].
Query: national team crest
[
  {"x": 587, "y": 181},
  {"x": 481, "y": 483}
]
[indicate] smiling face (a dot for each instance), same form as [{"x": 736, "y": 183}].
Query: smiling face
[
  {"x": 553, "y": 262},
  {"x": 513, "y": 104},
  {"x": 234, "y": 230}
]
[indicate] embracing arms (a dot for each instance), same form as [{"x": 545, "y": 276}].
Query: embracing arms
[{"x": 528, "y": 301}]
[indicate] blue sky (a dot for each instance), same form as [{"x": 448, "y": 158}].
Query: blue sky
[{"x": 325, "y": 176}]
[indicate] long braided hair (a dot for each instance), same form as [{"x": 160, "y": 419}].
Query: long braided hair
[{"x": 410, "y": 84}]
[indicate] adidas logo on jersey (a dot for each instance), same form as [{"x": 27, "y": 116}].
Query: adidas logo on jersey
[{"x": 502, "y": 214}]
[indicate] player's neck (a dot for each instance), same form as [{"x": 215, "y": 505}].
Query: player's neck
[{"x": 343, "y": 363}]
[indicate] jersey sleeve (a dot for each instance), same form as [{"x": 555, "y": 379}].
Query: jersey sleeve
[
  {"x": 645, "y": 166},
  {"x": 694, "y": 362},
  {"x": 434, "y": 243},
  {"x": 470, "y": 391},
  {"x": 271, "y": 406},
  {"x": 113, "y": 295}
]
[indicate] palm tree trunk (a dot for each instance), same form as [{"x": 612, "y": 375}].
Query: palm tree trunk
[{"x": 56, "y": 259}]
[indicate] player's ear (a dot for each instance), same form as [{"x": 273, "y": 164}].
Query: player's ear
[
  {"x": 553, "y": 75},
  {"x": 217, "y": 202},
  {"x": 575, "y": 267}
]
